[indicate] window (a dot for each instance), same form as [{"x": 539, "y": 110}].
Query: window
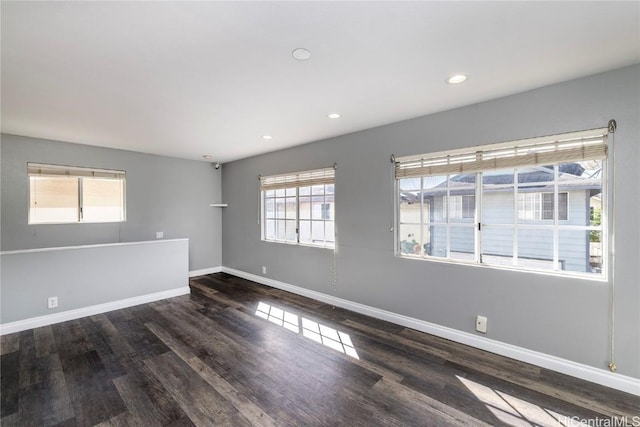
[
  {"x": 540, "y": 206},
  {"x": 326, "y": 211},
  {"x": 63, "y": 194},
  {"x": 299, "y": 207},
  {"x": 535, "y": 204},
  {"x": 461, "y": 206}
]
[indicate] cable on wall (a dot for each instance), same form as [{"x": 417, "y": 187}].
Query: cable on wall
[
  {"x": 259, "y": 202},
  {"x": 335, "y": 242},
  {"x": 612, "y": 290},
  {"x": 393, "y": 183}
]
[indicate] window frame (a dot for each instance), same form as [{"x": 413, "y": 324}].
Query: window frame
[
  {"x": 604, "y": 227},
  {"x": 296, "y": 181},
  {"x": 41, "y": 170}
]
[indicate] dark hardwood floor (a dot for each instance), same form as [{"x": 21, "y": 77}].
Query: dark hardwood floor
[{"x": 238, "y": 353}]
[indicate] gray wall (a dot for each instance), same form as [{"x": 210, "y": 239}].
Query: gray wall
[
  {"x": 565, "y": 317},
  {"x": 87, "y": 276},
  {"x": 163, "y": 194}
]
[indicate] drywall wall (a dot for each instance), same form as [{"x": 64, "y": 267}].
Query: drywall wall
[
  {"x": 85, "y": 276},
  {"x": 559, "y": 316},
  {"x": 162, "y": 194}
]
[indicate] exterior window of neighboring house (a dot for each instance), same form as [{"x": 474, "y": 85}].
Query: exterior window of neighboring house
[
  {"x": 326, "y": 211},
  {"x": 540, "y": 206},
  {"x": 537, "y": 204},
  {"x": 299, "y": 208},
  {"x": 461, "y": 206},
  {"x": 64, "y": 194}
]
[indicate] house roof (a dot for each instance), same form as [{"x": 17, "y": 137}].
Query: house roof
[
  {"x": 571, "y": 176},
  {"x": 567, "y": 171}
]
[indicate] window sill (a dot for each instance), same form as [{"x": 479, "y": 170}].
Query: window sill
[
  {"x": 571, "y": 275},
  {"x": 306, "y": 245}
]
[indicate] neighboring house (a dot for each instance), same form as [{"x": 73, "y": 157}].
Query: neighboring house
[{"x": 533, "y": 206}]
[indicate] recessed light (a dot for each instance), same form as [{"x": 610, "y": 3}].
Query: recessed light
[
  {"x": 456, "y": 79},
  {"x": 301, "y": 54},
  {"x": 333, "y": 115},
  {"x": 206, "y": 156},
  {"x": 267, "y": 137}
]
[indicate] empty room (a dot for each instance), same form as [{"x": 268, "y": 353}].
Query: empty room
[{"x": 237, "y": 213}]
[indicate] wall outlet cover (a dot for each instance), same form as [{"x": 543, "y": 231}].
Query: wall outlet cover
[
  {"x": 481, "y": 324},
  {"x": 52, "y": 302}
]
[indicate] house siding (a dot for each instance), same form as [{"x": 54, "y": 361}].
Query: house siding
[{"x": 497, "y": 240}]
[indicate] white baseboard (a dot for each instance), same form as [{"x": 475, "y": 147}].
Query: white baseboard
[
  {"x": 204, "y": 271},
  {"x": 564, "y": 366},
  {"x": 50, "y": 319}
]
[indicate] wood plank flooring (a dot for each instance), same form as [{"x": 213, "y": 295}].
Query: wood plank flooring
[{"x": 238, "y": 353}]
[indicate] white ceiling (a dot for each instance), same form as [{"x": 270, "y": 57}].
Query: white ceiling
[{"x": 185, "y": 79}]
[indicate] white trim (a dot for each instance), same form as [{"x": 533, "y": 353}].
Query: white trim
[
  {"x": 101, "y": 245},
  {"x": 204, "y": 271},
  {"x": 568, "y": 367},
  {"x": 50, "y": 319}
]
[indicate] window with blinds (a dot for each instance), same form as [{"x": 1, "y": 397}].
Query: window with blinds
[
  {"x": 536, "y": 204},
  {"x": 64, "y": 194},
  {"x": 299, "y": 208}
]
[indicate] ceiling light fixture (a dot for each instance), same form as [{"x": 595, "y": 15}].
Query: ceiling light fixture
[
  {"x": 456, "y": 79},
  {"x": 267, "y": 137},
  {"x": 333, "y": 115},
  {"x": 301, "y": 54},
  {"x": 206, "y": 156}
]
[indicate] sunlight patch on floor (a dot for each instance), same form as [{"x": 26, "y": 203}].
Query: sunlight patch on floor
[
  {"x": 276, "y": 315},
  {"x": 322, "y": 334},
  {"x": 514, "y": 411}
]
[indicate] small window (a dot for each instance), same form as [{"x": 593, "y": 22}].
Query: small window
[
  {"x": 461, "y": 207},
  {"x": 326, "y": 211},
  {"x": 63, "y": 194},
  {"x": 540, "y": 206},
  {"x": 299, "y": 208}
]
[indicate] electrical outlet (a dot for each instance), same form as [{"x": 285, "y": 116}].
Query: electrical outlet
[
  {"x": 52, "y": 302},
  {"x": 264, "y": 269},
  {"x": 481, "y": 324},
  {"x": 159, "y": 234}
]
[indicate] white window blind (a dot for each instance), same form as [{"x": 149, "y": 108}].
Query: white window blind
[
  {"x": 298, "y": 179},
  {"x": 67, "y": 194},
  {"x": 550, "y": 150},
  {"x": 37, "y": 169}
]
